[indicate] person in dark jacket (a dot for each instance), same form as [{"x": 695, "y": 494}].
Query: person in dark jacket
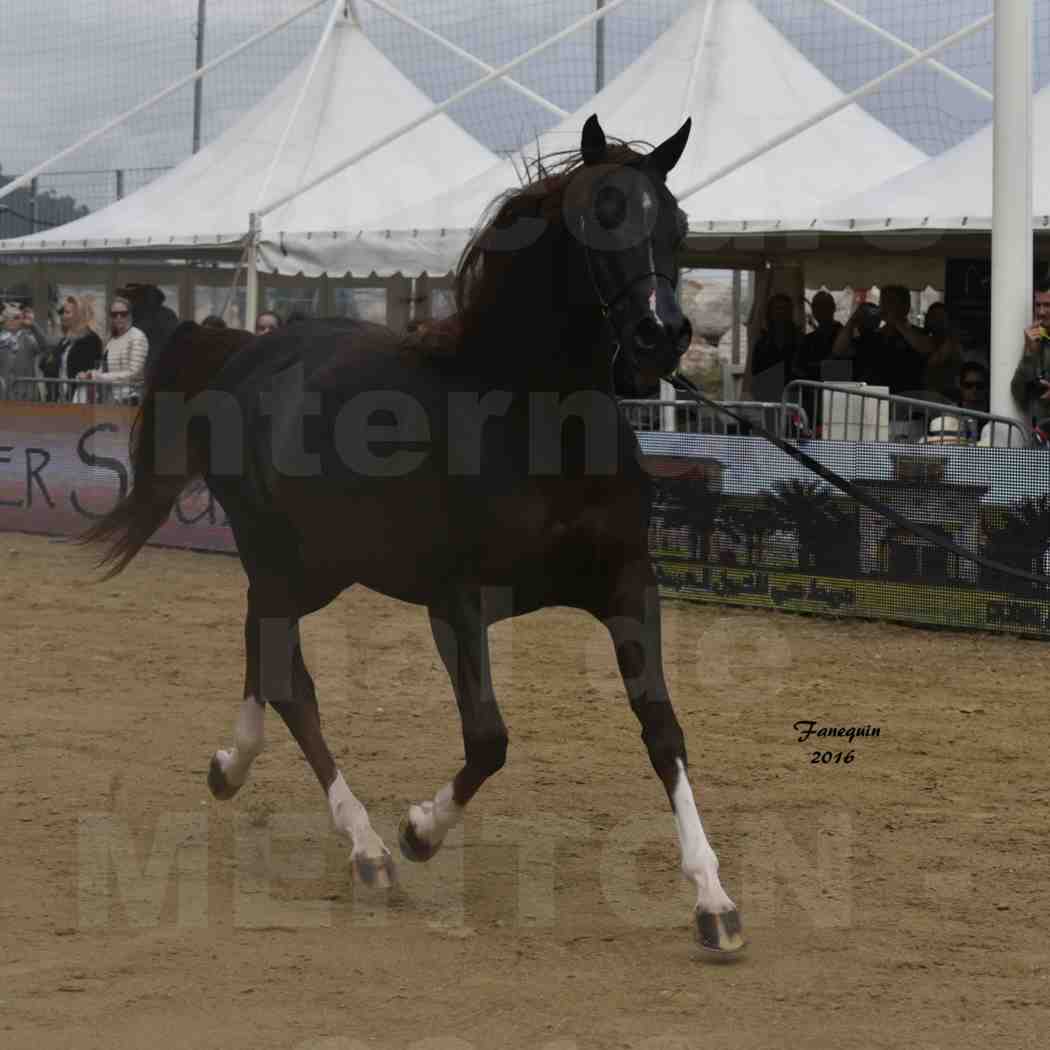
[
  {"x": 777, "y": 350},
  {"x": 78, "y": 349},
  {"x": 891, "y": 352}
]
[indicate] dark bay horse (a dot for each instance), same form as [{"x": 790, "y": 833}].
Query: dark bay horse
[{"x": 482, "y": 471}]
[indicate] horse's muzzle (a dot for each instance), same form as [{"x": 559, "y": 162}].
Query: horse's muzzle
[{"x": 659, "y": 347}]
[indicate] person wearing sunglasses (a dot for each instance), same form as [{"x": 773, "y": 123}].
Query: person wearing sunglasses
[{"x": 124, "y": 358}]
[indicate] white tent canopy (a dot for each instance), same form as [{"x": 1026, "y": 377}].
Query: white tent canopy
[
  {"x": 743, "y": 83},
  {"x": 354, "y": 97},
  {"x": 952, "y": 191}
]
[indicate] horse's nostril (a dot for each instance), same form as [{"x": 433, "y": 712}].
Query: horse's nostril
[{"x": 648, "y": 334}]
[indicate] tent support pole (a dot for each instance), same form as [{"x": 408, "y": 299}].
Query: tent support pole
[
  {"x": 326, "y": 35},
  {"x": 1012, "y": 263},
  {"x": 251, "y": 276}
]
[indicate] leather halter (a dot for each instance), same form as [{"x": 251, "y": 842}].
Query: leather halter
[{"x": 607, "y": 307}]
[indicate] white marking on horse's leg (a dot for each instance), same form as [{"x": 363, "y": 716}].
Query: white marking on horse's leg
[
  {"x": 248, "y": 743},
  {"x": 370, "y": 857},
  {"x": 433, "y": 820},
  {"x": 699, "y": 863}
]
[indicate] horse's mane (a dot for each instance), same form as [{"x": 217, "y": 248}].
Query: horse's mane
[{"x": 485, "y": 275}]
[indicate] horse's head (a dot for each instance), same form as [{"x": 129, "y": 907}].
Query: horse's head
[
  {"x": 594, "y": 230},
  {"x": 144, "y": 298},
  {"x": 627, "y": 228}
]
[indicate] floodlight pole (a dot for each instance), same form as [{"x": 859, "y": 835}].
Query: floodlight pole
[
  {"x": 1011, "y": 197},
  {"x": 198, "y": 84}
]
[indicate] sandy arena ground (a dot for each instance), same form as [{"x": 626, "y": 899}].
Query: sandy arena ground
[{"x": 898, "y": 901}]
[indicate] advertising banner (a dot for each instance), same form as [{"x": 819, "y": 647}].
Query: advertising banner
[
  {"x": 64, "y": 466},
  {"x": 734, "y": 521}
]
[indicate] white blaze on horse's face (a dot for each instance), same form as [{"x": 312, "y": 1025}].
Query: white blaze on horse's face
[{"x": 631, "y": 227}]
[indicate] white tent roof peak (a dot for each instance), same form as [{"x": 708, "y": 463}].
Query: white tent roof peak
[
  {"x": 350, "y": 12},
  {"x": 950, "y": 191},
  {"x": 356, "y": 95},
  {"x": 743, "y": 83}
]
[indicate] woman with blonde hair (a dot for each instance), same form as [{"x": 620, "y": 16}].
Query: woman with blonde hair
[{"x": 77, "y": 350}]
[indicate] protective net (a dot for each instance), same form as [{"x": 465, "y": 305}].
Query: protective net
[{"x": 69, "y": 67}]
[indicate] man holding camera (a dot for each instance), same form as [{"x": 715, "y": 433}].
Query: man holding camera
[
  {"x": 1031, "y": 383},
  {"x": 887, "y": 350}
]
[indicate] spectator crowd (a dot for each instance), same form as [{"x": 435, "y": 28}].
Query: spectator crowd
[
  {"x": 73, "y": 364},
  {"x": 880, "y": 346},
  {"x": 877, "y": 345}
]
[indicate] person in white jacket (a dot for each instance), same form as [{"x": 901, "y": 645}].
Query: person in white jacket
[{"x": 124, "y": 358}]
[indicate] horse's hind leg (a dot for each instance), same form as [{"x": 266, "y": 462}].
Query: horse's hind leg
[
  {"x": 459, "y": 627},
  {"x": 370, "y": 860},
  {"x": 229, "y": 769},
  {"x": 276, "y": 674}
]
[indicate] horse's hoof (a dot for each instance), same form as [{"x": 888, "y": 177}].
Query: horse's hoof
[
  {"x": 720, "y": 933},
  {"x": 219, "y": 786},
  {"x": 414, "y": 848},
  {"x": 378, "y": 873}
]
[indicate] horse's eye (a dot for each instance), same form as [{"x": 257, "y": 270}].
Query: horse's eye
[{"x": 610, "y": 207}]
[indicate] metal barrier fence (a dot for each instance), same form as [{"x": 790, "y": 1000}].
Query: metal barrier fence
[
  {"x": 686, "y": 417},
  {"x": 841, "y": 412},
  {"x": 76, "y": 391},
  {"x": 856, "y": 412}
]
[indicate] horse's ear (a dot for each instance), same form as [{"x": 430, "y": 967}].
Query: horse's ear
[
  {"x": 668, "y": 153},
  {"x": 592, "y": 142}
]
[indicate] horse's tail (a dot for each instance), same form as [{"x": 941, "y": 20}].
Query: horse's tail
[{"x": 186, "y": 364}]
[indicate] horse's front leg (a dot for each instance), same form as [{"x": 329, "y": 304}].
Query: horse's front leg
[
  {"x": 632, "y": 616},
  {"x": 459, "y": 626}
]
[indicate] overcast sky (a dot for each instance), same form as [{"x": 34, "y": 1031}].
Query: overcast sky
[{"x": 68, "y": 65}]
